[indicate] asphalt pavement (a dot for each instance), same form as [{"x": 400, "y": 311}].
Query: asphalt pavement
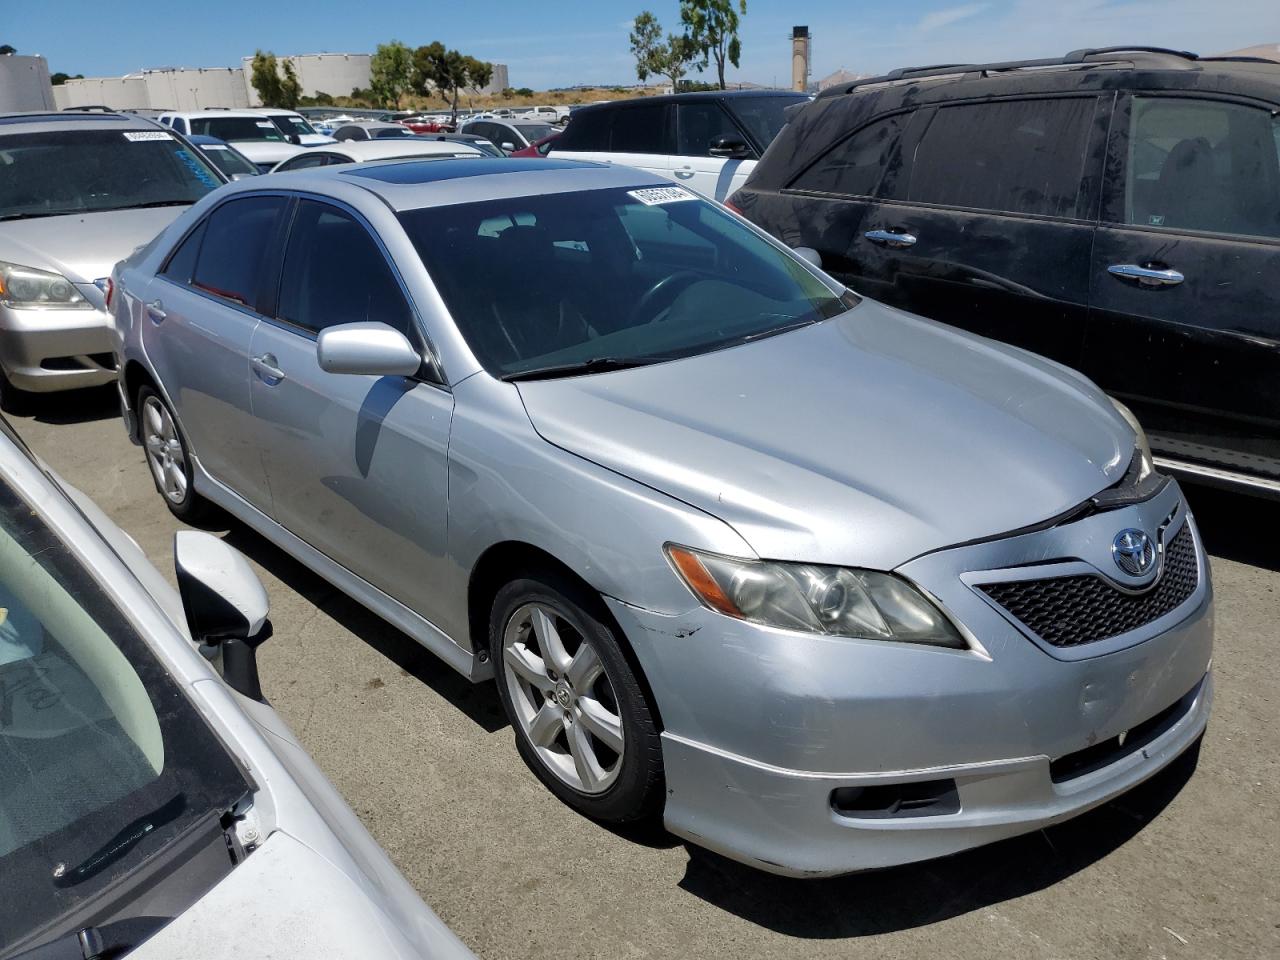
[{"x": 1187, "y": 865}]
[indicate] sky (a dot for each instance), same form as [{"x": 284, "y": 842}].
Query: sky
[{"x": 559, "y": 43}]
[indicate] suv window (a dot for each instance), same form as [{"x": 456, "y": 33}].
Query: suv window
[
  {"x": 587, "y": 130},
  {"x": 1015, "y": 156},
  {"x": 697, "y": 124},
  {"x": 639, "y": 130},
  {"x": 764, "y": 117},
  {"x": 1202, "y": 165},
  {"x": 335, "y": 273},
  {"x": 854, "y": 166},
  {"x": 237, "y": 129},
  {"x": 231, "y": 258}
]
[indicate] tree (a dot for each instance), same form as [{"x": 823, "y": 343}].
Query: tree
[
  {"x": 437, "y": 68},
  {"x": 290, "y": 88},
  {"x": 711, "y": 27},
  {"x": 391, "y": 73},
  {"x": 264, "y": 74},
  {"x": 59, "y": 78},
  {"x": 655, "y": 56},
  {"x": 6, "y": 49}
]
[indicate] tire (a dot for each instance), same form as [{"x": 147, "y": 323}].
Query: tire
[
  {"x": 568, "y": 709},
  {"x": 169, "y": 459}
]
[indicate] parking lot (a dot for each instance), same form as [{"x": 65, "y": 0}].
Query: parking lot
[{"x": 1178, "y": 868}]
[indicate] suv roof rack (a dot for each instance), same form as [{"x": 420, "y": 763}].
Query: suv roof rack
[
  {"x": 71, "y": 113},
  {"x": 1086, "y": 55}
]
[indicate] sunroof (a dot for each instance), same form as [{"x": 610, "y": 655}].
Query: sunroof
[{"x": 409, "y": 172}]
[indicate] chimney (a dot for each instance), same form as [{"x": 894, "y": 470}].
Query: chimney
[{"x": 799, "y": 58}]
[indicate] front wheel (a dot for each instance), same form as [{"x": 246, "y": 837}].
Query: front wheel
[
  {"x": 582, "y": 722},
  {"x": 169, "y": 459}
]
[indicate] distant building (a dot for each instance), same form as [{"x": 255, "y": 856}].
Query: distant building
[
  {"x": 24, "y": 83},
  {"x": 1267, "y": 51},
  {"x": 841, "y": 76},
  {"x": 336, "y": 74},
  {"x": 168, "y": 88}
]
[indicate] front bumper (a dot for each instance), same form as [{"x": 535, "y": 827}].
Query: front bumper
[
  {"x": 762, "y": 727},
  {"x": 46, "y": 350}
]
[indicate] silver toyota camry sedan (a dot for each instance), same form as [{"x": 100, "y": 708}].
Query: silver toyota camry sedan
[{"x": 826, "y": 585}]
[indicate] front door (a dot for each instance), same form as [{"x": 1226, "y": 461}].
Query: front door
[
  {"x": 699, "y": 125},
  {"x": 1185, "y": 325},
  {"x": 357, "y": 464}
]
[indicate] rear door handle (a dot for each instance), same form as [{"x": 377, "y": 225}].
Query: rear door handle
[
  {"x": 267, "y": 370},
  {"x": 155, "y": 310},
  {"x": 1146, "y": 276},
  {"x": 897, "y": 239}
]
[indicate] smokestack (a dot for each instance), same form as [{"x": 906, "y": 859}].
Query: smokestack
[{"x": 799, "y": 59}]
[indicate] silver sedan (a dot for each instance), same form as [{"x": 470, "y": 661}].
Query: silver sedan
[{"x": 825, "y": 585}]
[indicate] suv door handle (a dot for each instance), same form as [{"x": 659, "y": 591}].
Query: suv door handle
[
  {"x": 267, "y": 370},
  {"x": 897, "y": 239},
  {"x": 155, "y": 310},
  {"x": 1147, "y": 276}
]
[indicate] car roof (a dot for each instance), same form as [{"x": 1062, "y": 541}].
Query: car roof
[
  {"x": 395, "y": 148},
  {"x": 701, "y": 96},
  {"x": 415, "y": 184},
  {"x": 206, "y": 114},
  {"x": 376, "y": 124},
  {"x": 44, "y": 121}
]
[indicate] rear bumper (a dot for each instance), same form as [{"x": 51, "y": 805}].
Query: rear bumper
[{"x": 46, "y": 350}]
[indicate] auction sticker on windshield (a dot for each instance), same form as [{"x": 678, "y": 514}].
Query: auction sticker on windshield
[
  {"x": 651, "y": 196},
  {"x": 138, "y": 135}
]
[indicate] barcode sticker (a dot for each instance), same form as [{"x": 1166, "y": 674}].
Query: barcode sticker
[
  {"x": 139, "y": 135},
  {"x": 651, "y": 196},
  {"x": 212, "y": 146},
  {"x": 264, "y": 124}
]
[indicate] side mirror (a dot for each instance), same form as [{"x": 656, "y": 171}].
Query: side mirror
[
  {"x": 294, "y": 139},
  {"x": 507, "y": 147},
  {"x": 225, "y": 604},
  {"x": 729, "y": 147},
  {"x": 371, "y": 349},
  {"x": 808, "y": 255}
]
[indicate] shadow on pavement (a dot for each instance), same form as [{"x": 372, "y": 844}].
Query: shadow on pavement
[
  {"x": 1236, "y": 526},
  {"x": 902, "y": 898},
  {"x": 74, "y": 406},
  {"x": 479, "y": 702}
]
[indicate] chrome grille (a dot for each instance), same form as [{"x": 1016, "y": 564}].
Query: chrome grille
[{"x": 1084, "y": 608}]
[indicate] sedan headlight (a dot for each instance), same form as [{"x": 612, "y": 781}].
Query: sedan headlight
[
  {"x": 834, "y": 601},
  {"x": 27, "y": 288},
  {"x": 1146, "y": 466}
]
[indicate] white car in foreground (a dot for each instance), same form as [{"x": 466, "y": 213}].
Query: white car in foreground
[{"x": 148, "y": 805}]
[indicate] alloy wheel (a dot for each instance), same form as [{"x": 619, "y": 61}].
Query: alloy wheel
[
  {"x": 564, "y": 700},
  {"x": 165, "y": 456}
]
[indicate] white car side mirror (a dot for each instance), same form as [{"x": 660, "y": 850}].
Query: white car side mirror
[
  {"x": 372, "y": 349},
  {"x": 809, "y": 255}
]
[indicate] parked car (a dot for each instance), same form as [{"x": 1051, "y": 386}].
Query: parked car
[
  {"x": 254, "y": 135},
  {"x": 371, "y": 130},
  {"x": 575, "y": 426},
  {"x": 296, "y": 128},
  {"x": 1116, "y": 210},
  {"x": 545, "y": 113},
  {"x": 364, "y": 151},
  {"x": 231, "y": 162},
  {"x": 708, "y": 141},
  {"x": 78, "y": 191},
  {"x": 428, "y": 124},
  {"x": 509, "y": 135},
  {"x": 149, "y": 803},
  {"x": 539, "y": 148},
  {"x": 485, "y": 146}
]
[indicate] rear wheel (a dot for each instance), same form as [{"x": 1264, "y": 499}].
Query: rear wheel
[
  {"x": 582, "y": 722},
  {"x": 168, "y": 458}
]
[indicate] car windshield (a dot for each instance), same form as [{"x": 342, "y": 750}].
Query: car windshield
[
  {"x": 625, "y": 275},
  {"x": 103, "y": 761},
  {"x": 764, "y": 117},
  {"x": 534, "y": 131},
  {"x": 83, "y": 171},
  {"x": 230, "y": 162},
  {"x": 238, "y": 129},
  {"x": 290, "y": 124},
  {"x": 384, "y": 133}
]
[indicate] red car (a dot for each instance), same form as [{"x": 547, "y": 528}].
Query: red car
[
  {"x": 426, "y": 125},
  {"x": 539, "y": 148}
]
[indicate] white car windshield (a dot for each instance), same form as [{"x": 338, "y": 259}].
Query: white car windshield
[{"x": 87, "y": 171}]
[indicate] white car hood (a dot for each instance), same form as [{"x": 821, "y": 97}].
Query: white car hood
[
  {"x": 284, "y": 900},
  {"x": 266, "y": 151},
  {"x": 83, "y": 247}
]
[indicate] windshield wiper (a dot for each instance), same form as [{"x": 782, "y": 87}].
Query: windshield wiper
[
  {"x": 125, "y": 840},
  {"x": 35, "y": 216},
  {"x": 105, "y": 940},
  {"x": 143, "y": 206},
  {"x": 594, "y": 365}
]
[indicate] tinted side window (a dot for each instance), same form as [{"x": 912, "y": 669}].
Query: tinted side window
[
  {"x": 587, "y": 130},
  {"x": 335, "y": 273},
  {"x": 306, "y": 160},
  {"x": 855, "y": 166},
  {"x": 639, "y": 130},
  {"x": 232, "y": 255},
  {"x": 697, "y": 124},
  {"x": 1017, "y": 156},
  {"x": 183, "y": 260},
  {"x": 1203, "y": 165}
]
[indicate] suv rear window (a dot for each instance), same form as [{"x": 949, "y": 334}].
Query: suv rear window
[
  {"x": 1013, "y": 156},
  {"x": 853, "y": 168},
  {"x": 237, "y": 129}
]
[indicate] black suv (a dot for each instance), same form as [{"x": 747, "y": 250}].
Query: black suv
[{"x": 1117, "y": 210}]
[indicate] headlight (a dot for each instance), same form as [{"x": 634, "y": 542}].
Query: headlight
[
  {"x": 27, "y": 288},
  {"x": 1146, "y": 466},
  {"x": 834, "y": 601}
]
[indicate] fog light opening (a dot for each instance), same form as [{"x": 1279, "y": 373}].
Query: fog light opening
[{"x": 919, "y": 798}]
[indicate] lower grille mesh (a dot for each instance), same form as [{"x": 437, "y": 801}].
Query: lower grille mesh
[{"x": 1085, "y": 608}]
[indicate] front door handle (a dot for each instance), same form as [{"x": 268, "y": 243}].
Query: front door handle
[
  {"x": 897, "y": 239},
  {"x": 155, "y": 310},
  {"x": 267, "y": 369},
  {"x": 1146, "y": 276}
]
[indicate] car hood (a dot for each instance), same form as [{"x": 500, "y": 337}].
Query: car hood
[
  {"x": 865, "y": 440},
  {"x": 267, "y": 151},
  {"x": 83, "y": 247}
]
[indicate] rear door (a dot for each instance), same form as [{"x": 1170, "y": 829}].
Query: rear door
[
  {"x": 704, "y": 126},
  {"x": 1185, "y": 320},
  {"x": 641, "y": 138},
  {"x": 987, "y": 217}
]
